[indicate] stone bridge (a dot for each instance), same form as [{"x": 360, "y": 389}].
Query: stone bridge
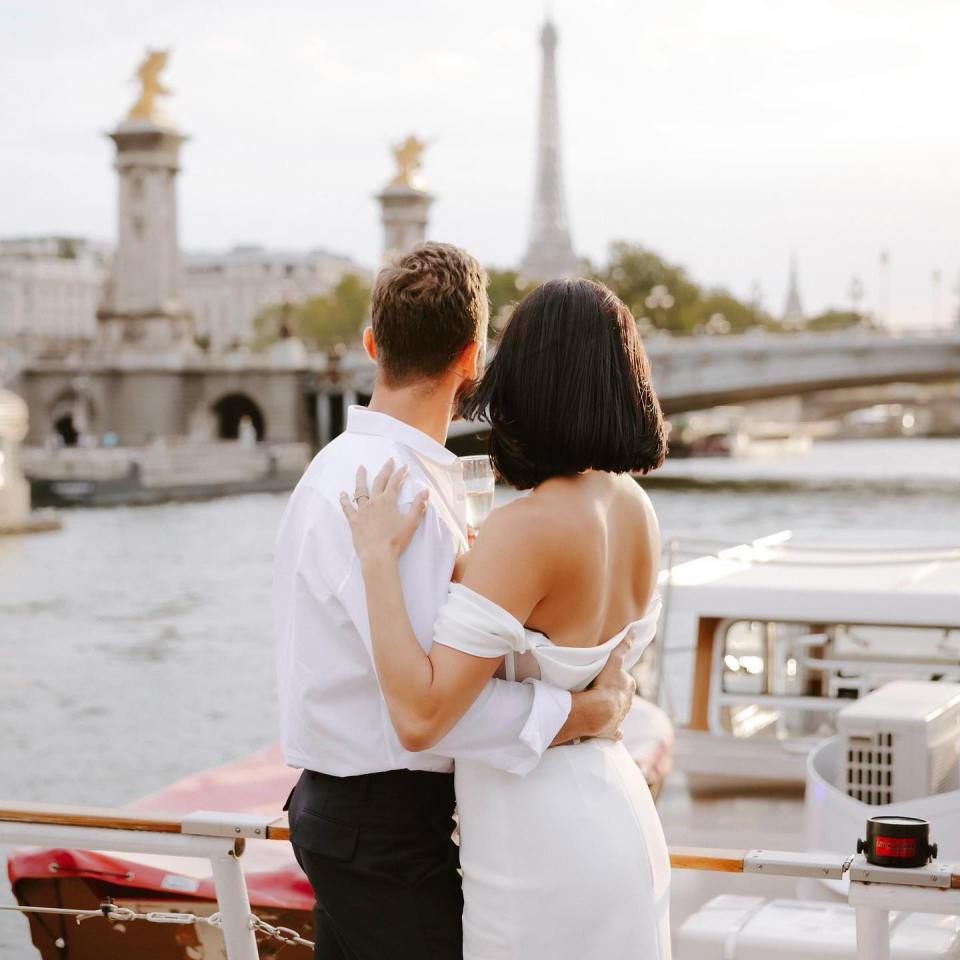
[
  {"x": 693, "y": 373},
  {"x": 303, "y": 399}
]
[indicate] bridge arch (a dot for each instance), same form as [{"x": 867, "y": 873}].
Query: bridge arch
[
  {"x": 232, "y": 411},
  {"x": 72, "y": 416}
]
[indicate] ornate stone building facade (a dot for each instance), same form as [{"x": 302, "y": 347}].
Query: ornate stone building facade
[
  {"x": 226, "y": 291},
  {"x": 50, "y": 290}
]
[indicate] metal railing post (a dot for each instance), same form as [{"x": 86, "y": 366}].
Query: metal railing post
[
  {"x": 234, "y": 904},
  {"x": 873, "y": 933}
]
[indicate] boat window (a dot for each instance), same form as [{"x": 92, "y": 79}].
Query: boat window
[{"x": 787, "y": 680}]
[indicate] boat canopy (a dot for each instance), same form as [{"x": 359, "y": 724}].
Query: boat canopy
[{"x": 776, "y": 580}]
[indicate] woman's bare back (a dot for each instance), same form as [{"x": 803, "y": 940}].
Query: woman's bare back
[{"x": 595, "y": 540}]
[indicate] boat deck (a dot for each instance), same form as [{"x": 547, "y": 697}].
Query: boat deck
[{"x": 772, "y": 819}]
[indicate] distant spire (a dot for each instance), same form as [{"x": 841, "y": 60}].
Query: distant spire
[
  {"x": 550, "y": 252},
  {"x": 793, "y": 308}
]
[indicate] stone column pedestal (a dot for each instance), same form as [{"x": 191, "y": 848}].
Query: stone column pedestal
[
  {"x": 142, "y": 306},
  {"x": 404, "y": 213}
]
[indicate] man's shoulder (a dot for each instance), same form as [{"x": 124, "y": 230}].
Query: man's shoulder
[{"x": 334, "y": 468}]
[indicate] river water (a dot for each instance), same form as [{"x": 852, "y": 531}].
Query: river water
[{"x": 135, "y": 643}]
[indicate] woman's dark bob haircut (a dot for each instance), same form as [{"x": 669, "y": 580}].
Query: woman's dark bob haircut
[{"x": 569, "y": 389}]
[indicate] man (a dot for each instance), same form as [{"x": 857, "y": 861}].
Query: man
[{"x": 370, "y": 818}]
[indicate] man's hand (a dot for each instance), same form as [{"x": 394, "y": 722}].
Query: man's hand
[
  {"x": 599, "y": 710},
  {"x": 619, "y": 688}
]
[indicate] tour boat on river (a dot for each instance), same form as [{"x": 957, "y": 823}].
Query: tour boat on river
[{"x": 785, "y": 635}]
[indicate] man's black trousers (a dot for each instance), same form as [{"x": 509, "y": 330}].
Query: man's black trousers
[{"x": 378, "y": 853}]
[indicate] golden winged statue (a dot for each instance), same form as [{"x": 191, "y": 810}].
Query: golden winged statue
[
  {"x": 150, "y": 86},
  {"x": 407, "y": 155}
]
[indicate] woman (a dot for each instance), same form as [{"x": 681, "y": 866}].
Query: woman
[{"x": 569, "y": 861}]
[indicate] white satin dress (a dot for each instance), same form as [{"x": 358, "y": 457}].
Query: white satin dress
[{"x": 568, "y": 862}]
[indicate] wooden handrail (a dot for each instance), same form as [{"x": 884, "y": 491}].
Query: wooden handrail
[
  {"x": 69, "y": 815},
  {"x": 107, "y": 818},
  {"x": 700, "y": 858},
  {"x": 279, "y": 829},
  {"x": 111, "y": 818}
]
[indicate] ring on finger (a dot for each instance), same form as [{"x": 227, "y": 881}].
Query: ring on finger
[{"x": 359, "y": 497}]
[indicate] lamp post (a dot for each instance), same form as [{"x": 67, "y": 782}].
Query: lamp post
[
  {"x": 286, "y": 311},
  {"x": 856, "y": 292},
  {"x": 956, "y": 290},
  {"x": 936, "y": 282},
  {"x": 884, "y": 260}
]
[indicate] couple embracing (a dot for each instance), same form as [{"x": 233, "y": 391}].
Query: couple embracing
[{"x": 418, "y": 672}]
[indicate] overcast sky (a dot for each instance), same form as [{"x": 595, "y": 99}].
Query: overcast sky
[{"x": 725, "y": 134}]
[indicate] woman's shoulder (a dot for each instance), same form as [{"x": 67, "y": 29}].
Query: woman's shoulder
[
  {"x": 639, "y": 496},
  {"x": 514, "y": 558},
  {"x": 531, "y": 521}
]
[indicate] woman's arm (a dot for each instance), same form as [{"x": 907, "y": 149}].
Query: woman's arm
[{"x": 426, "y": 693}]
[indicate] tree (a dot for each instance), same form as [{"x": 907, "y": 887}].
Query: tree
[
  {"x": 321, "y": 322},
  {"x": 662, "y": 295},
  {"x": 720, "y": 304},
  {"x": 839, "y": 320},
  {"x": 506, "y": 288}
]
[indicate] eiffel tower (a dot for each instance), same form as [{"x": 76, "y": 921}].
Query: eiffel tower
[
  {"x": 793, "y": 309},
  {"x": 550, "y": 252}
]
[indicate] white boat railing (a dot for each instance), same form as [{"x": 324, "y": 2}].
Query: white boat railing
[{"x": 220, "y": 837}]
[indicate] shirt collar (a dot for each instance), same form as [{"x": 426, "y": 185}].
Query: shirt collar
[{"x": 376, "y": 424}]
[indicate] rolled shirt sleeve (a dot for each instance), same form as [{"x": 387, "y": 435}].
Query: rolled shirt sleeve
[{"x": 509, "y": 726}]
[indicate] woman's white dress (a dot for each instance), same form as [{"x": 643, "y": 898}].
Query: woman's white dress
[{"x": 568, "y": 862}]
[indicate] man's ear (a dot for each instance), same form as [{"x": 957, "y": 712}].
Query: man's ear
[
  {"x": 468, "y": 361},
  {"x": 369, "y": 344}
]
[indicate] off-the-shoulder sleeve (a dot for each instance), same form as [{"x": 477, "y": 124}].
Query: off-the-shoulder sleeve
[{"x": 473, "y": 624}]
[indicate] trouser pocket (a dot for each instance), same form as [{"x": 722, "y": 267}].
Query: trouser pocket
[{"x": 324, "y": 837}]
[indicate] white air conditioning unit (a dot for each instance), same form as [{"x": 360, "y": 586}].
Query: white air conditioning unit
[{"x": 901, "y": 742}]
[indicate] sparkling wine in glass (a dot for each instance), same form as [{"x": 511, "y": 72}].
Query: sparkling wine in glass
[{"x": 479, "y": 482}]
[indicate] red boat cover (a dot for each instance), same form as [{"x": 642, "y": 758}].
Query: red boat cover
[{"x": 260, "y": 783}]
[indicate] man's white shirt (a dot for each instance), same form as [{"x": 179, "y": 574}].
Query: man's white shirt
[{"x": 333, "y": 717}]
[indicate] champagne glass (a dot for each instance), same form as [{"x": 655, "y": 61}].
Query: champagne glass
[{"x": 479, "y": 483}]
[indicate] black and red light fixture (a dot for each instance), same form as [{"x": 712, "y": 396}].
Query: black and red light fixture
[{"x": 895, "y": 841}]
